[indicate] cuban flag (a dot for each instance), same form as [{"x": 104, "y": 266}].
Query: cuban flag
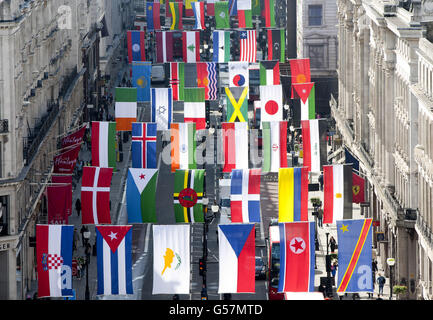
[
  {"x": 54, "y": 260},
  {"x": 114, "y": 259},
  {"x": 296, "y": 257},
  {"x": 237, "y": 258},
  {"x": 136, "y": 46},
  {"x": 144, "y": 145},
  {"x": 245, "y": 195}
]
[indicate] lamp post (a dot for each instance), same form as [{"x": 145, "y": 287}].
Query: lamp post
[
  {"x": 87, "y": 251},
  {"x": 391, "y": 262},
  {"x": 328, "y": 267}
]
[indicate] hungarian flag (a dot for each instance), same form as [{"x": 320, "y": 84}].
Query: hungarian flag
[
  {"x": 104, "y": 144},
  {"x": 221, "y": 46},
  {"x": 300, "y": 70},
  {"x": 141, "y": 79},
  {"x": 198, "y": 9},
  {"x": 272, "y": 103},
  {"x": 67, "y": 181},
  {"x": 188, "y": 196},
  {"x": 114, "y": 260},
  {"x": 269, "y": 73},
  {"x": 207, "y": 79},
  {"x": 293, "y": 194},
  {"x": 177, "y": 79},
  {"x": 176, "y": 9},
  {"x": 191, "y": 46},
  {"x": 277, "y": 44},
  {"x": 235, "y": 145},
  {"x": 245, "y": 195},
  {"x": 297, "y": 257},
  {"x": 59, "y": 202},
  {"x": 358, "y": 188},
  {"x": 140, "y": 195},
  {"x": 73, "y": 138},
  {"x": 125, "y": 108},
  {"x": 161, "y": 103},
  {"x": 314, "y": 144},
  {"x": 136, "y": 46},
  {"x": 153, "y": 12},
  {"x": 274, "y": 145},
  {"x": 236, "y": 258},
  {"x": 65, "y": 162},
  {"x": 237, "y": 104},
  {"x": 195, "y": 107},
  {"x": 222, "y": 17},
  {"x": 183, "y": 146},
  {"x": 248, "y": 45},
  {"x": 95, "y": 195},
  {"x": 307, "y": 95},
  {"x": 269, "y": 13},
  {"x": 143, "y": 145},
  {"x": 245, "y": 16},
  {"x": 239, "y": 75},
  {"x": 337, "y": 187},
  {"x": 54, "y": 260},
  {"x": 164, "y": 46}
]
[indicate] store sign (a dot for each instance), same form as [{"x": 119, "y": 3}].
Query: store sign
[{"x": 5, "y": 246}]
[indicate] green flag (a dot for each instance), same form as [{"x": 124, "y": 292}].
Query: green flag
[
  {"x": 237, "y": 104},
  {"x": 222, "y": 18}
]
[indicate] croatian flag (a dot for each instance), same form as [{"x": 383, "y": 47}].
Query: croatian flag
[
  {"x": 114, "y": 259},
  {"x": 245, "y": 195},
  {"x": 144, "y": 145},
  {"x": 237, "y": 258},
  {"x": 136, "y": 46},
  {"x": 54, "y": 260}
]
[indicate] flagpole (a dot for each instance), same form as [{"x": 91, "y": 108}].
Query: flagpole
[
  {"x": 61, "y": 150},
  {"x": 72, "y": 130}
]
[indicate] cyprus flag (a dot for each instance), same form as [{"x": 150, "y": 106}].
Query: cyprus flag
[{"x": 171, "y": 259}]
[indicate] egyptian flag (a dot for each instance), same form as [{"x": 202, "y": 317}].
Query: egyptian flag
[
  {"x": 274, "y": 145},
  {"x": 245, "y": 17},
  {"x": 153, "y": 16},
  {"x": 245, "y": 195},
  {"x": 198, "y": 9},
  {"x": 125, "y": 108},
  {"x": 221, "y": 46},
  {"x": 191, "y": 46},
  {"x": 269, "y": 13},
  {"x": 104, "y": 144},
  {"x": 237, "y": 104},
  {"x": 235, "y": 145},
  {"x": 314, "y": 143},
  {"x": 358, "y": 188},
  {"x": 162, "y": 107},
  {"x": 269, "y": 73},
  {"x": 164, "y": 46},
  {"x": 277, "y": 44},
  {"x": 183, "y": 146},
  {"x": 143, "y": 145},
  {"x": 188, "y": 195},
  {"x": 176, "y": 9},
  {"x": 271, "y": 98},
  {"x": 136, "y": 46},
  {"x": 238, "y": 74},
  {"x": 207, "y": 79},
  {"x": 293, "y": 194},
  {"x": 297, "y": 255},
  {"x": 337, "y": 187}
]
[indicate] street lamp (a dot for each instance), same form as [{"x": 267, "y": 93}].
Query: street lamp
[
  {"x": 391, "y": 262},
  {"x": 86, "y": 235}
]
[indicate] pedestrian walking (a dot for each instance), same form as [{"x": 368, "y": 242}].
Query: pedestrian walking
[
  {"x": 320, "y": 216},
  {"x": 334, "y": 268},
  {"x": 78, "y": 206},
  {"x": 321, "y": 181},
  {"x": 381, "y": 282},
  {"x": 332, "y": 244},
  {"x": 82, "y": 230},
  {"x": 76, "y": 239}
]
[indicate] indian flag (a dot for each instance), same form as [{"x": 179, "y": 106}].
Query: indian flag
[
  {"x": 183, "y": 146},
  {"x": 125, "y": 108},
  {"x": 104, "y": 144}
]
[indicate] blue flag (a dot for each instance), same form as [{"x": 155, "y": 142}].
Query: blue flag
[{"x": 141, "y": 72}]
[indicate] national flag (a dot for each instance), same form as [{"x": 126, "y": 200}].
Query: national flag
[
  {"x": 245, "y": 17},
  {"x": 167, "y": 7},
  {"x": 355, "y": 255},
  {"x": 189, "y": 12},
  {"x": 177, "y": 79},
  {"x": 236, "y": 258},
  {"x": 191, "y": 46},
  {"x": 269, "y": 13},
  {"x": 210, "y": 7},
  {"x": 269, "y": 73},
  {"x": 307, "y": 104},
  {"x": 248, "y": 45},
  {"x": 233, "y": 10},
  {"x": 162, "y": 107},
  {"x": 297, "y": 256},
  {"x": 302, "y": 91},
  {"x": 171, "y": 259},
  {"x": 125, "y": 108},
  {"x": 164, "y": 46},
  {"x": 114, "y": 260},
  {"x": 195, "y": 107},
  {"x": 141, "y": 79},
  {"x": 176, "y": 9},
  {"x": 300, "y": 71},
  {"x": 274, "y": 145},
  {"x": 143, "y": 145},
  {"x": 256, "y": 7},
  {"x": 59, "y": 201},
  {"x": 95, "y": 195},
  {"x": 198, "y": 9},
  {"x": 140, "y": 195},
  {"x": 136, "y": 46},
  {"x": 358, "y": 188},
  {"x": 183, "y": 146},
  {"x": 222, "y": 17},
  {"x": 74, "y": 138},
  {"x": 104, "y": 144},
  {"x": 65, "y": 162},
  {"x": 245, "y": 195},
  {"x": 277, "y": 44},
  {"x": 221, "y": 46},
  {"x": 314, "y": 143},
  {"x": 238, "y": 74},
  {"x": 235, "y": 145},
  {"x": 207, "y": 79},
  {"x": 337, "y": 187},
  {"x": 237, "y": 104},
  {"x": 271, "y": 98},
  {"x": 293, "y": 194},
  {"x": 153, "y": 12},
  {"x": 67, "y": 181},
  {"x": 54, "y": 260},
  {"x": 188, "y": 195}
]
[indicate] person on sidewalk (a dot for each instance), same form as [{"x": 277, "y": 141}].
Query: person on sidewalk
[
  {"x": 334, "y": 268},
  {"x": 82, "y": 230},
  {"x": 76, "y": 239},
  {"x": 320, "y": 216},
  {"x": 332, "y": 244},
  {"x": 381, "y": 282},
  {"x": 321, "y": 181},
  {"x": 78, "y": 206}
]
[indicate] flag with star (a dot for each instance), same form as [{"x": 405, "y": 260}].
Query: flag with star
[
  {"x": 354, "y": 255},
  {"x": 248, "y": 45},
  {"x": 191, "y": 46},
  {"x": 307, "y": 96},
  {"x": 141, "y": 72},
  {"x": 162, "y": 107},
  {"x": 114, "y": 259},
  {"x": 277, "y": 44}
]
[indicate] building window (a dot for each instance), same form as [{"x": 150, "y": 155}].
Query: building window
[
  {"x": 4, "y": 215},
  {"x": 317, "y": 56},
  {"x": 315, "y": 15}
]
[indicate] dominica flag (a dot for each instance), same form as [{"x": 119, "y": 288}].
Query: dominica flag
[
  {"x": 191, "y": 46},
  {"x": 162, "y": 107},
  {"x": 269, "y": 73},
  {"x": 245, "y": 195},
  {"x": 136, "y": 45},
  {"x": 239, "y": 75},
  {"x": 188, "y": 195},
  {"x": 207, "y": 79},
  {"x": 141, "y": 73},
  {"x": 277, "y": 44},
  {"x": 195, "y": 107},
  {"x": 222, "y": 17},
  {"x": 314, "y": 143},
  {"x": 354, "y": 255},
  {"x": 104, "y": 144},
  {"x": 269, "y": 13},
  {"x": 221, "y": 46},
  {"x": 274, "y": 145},
  {"x": 237, "y": 104},
  {"x": 198, "y": 9},
  {"x": 140, "y": 195},
  {"x": 143, "y": 145},
  {"x": 235, "y": 145},
  {"x": 271, "y": 98},
  {"x": 153, "y": 16},
  {"x": 176, "y": 10},
  {"x": 183, "y": 146},
  {"x": 245, "y": 15},
  {"x": 164, "y": 46},
  {"x": 307, "y": 94},
  {"x": 293, "y": 194},
  {"x": 125, "y": 108}
]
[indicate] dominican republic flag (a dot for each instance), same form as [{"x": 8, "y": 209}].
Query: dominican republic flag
[
  {"x": 114, "y": 260},
  {"x": 269, "y": 13},
  {"x": 177, "y": 80},
  {"x": 337, "y": 188},
  {"x": 153, "y": 12},
  {"x": 104, "y": 144},
  {"x": 237, "y": 258},
  {"x": 222, "y": 17},
  {"x": 307, "y": 95},
  {"x": 245, "y": 16},
  {"x": 136, "y": 46},
  {"x": 183, "y": 146},
  {"x": 161, "y": 100},
  {"x": 195, "y": 107},
  {"x": 245, "y": 195},
  {"x": 164, "y": 46},
  {"x": 248, "y": 45},
  {"x": 198, "y": 9},
  {"x": 140, "y": 195},
  {"x": 54, "y": 260},
  {"x": 274, "y": 146},
  {"x": 293, "y": 194},
  {"x": 237, "y": 104},
  {"x": 74, "y": 138},
  {"x": 95, "y": 195},
  {"x": 207, "y": 78},
  {"x": 143, "y": 145},
  {"x": 221, "y": 46},
  {"x": 239, "y": 74},
  {"x": 355, "y": 255},
  {"x": 277, "y": 44},
  {"x": 272, "y": 103},
  {"x": 191, "y": 46},
  {"x": 314, "y": 143},
  {"x": 176, "y": 10},
  {"x": 235, "y": 145},
  {"x": 296, "y": 257},
  {"x": 269, "y": 73},
  {"x": 125, "y": 108},
  {"x": 233, "y": 9},
  {"x": 141, "y": 76}
]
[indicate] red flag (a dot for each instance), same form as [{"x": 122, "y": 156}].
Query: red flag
[
  {"x": 67, "y": 180},
  {"x": 358, "y": 187},
  {"x": 95, "y": 195},
  {"x": 58, "y": 199},
  {"x": 65, "y": 162},
  {"x": 300, "y": 69},
  {"x": 73, "y": 138},
  {"x": 302, "y": 90}
]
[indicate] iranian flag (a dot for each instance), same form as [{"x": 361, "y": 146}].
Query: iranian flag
[
  {"x": 183, "y": 146},
  {"x": 125, "y": 108},
  {"x": 272, "y": 103},
  {"x": 104, "y": 144},
  {"x": 274, "y": 146},
  {"x": 195, "y": 107},
  {"x": 191, "y": 46},
  {"x": 235, "y": 145}
]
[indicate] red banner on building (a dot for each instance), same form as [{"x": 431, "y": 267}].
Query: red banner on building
[
  {"x": 58, "y": 198},
  {"x": 358, "y": 187},
  {"x": 68, "y": 182},
  {"x": 74, "y": 138},
  {"x": 65, "y": 162}
]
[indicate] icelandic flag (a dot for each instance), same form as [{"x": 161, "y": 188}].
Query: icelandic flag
[
  {"x": 144, "y": 145},
  {"x": 296, "y": 257},
  {"x": 114, "y": 259},
  {"x": 136, "y": 46},
  {"x": 245, "y": 195},
  {"x": 237, "y": 258},
  {"x": 54, "y": 260}
]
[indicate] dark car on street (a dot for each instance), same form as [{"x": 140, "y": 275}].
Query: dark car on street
[{"x": 260, "y": 268}]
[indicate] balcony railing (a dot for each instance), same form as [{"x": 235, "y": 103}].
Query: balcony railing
[{"x": 4, "y": 126}]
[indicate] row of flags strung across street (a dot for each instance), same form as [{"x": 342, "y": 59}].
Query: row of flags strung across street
[{"x": 172, "y": 242}]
